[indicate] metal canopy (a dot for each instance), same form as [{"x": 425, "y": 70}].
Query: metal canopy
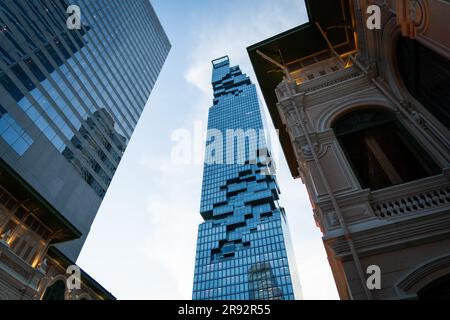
[{"x": 35, "y": 203}]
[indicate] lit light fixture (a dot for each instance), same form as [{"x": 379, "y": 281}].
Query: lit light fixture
[
  {"x": 35, "y": 262},
  {"x": 348, "y": 64},
  {"x": 299, "y": 81}
]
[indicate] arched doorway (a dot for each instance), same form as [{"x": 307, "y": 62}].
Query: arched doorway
[
  {"x": 56, "y": 291},
  {"x": 439, "y": 289},
  {"x": 380, "y": 150},
  {"x": 426, "y": 75}
]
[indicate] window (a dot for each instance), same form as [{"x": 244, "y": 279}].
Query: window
[
  {"x": 380, "y": 150},
  {"x": 55, "y": 291},
  {"x": 13, "y": 134},
  {"x": 439, "y": 289},
  {"x": 426, "y": 75}
]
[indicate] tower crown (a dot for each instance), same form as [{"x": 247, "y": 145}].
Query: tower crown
[{"x": 219, "y": 62}]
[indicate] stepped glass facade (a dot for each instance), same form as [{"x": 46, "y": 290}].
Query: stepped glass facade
[
  {"x": 243, "y": 249},
  {"x": 69, "y": 102}
]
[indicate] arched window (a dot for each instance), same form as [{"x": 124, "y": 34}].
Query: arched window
[
  {"x": 426, "y": 75},
  {"x": 380, "y": 150},
  {"x": 437, "y": 290},
  {"x": 56, "y": 291}
]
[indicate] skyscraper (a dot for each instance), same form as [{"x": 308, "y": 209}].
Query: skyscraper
[
  {"x": 70, "y": 100},
  {"x": 243, "y": 247}
]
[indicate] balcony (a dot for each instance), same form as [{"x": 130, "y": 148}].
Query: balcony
[
  {"x": 14, "y": 267},
  {"x": 426, "y": 195},
  {"x": 386, "y": 206},
  {"x": 320, "y": 75}
]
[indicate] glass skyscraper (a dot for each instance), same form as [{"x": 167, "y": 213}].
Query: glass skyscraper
[
  {"x": 243, "y": 247},
  {"x": 70, "y": 99}
]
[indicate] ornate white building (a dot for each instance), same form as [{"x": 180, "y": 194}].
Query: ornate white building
[{"x": 364, "y": 119}]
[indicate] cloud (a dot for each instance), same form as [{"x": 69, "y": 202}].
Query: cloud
[
  {"x": 231, "y": 37},
  {"x": 172, "y": 218},
  {"x": 143, "y": 242},
  {"x": 235, "y": 33}
]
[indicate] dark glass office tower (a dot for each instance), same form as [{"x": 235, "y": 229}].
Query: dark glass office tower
[
  {"x": 70, "y": 99},
  {"x": 243, "y": 249}
]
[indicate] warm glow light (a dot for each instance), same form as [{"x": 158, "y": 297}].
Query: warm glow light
[
  {"x": 35, "y": 263},
  {"x": 298, "y": 80},
  {"x": 349, "y": 63}
]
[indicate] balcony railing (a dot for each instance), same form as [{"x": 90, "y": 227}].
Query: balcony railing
[
  {"x": 318, "y": 76},
  {"x": 424, "y": 195}
]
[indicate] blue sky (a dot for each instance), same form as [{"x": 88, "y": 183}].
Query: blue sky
[{"x": 142, "y": 243}]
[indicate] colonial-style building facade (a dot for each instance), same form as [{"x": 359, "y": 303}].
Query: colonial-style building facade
[{"x": 364, "y": 119}]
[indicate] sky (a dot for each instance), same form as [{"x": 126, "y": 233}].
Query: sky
[{"x": 142, "y": 243}]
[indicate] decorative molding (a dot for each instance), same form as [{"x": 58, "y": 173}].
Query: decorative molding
[
  {"x": 304, "y": 150},
  {"x": 15, "y": 266},
  {"x": 333, "y": 82},
  {"x": 345, "y": 199},
  {"x": 424, "y": 274},
  {"x": 422, "y": 195},
  {"x": 84, "y": 296},
  {"x": 417, "y": 116},
  {"x": 412, "y": 17},
  {"x": 352, "y": 102},
  {"x": 317, "y": 85},
  {"x": 378, "y": 236}
]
